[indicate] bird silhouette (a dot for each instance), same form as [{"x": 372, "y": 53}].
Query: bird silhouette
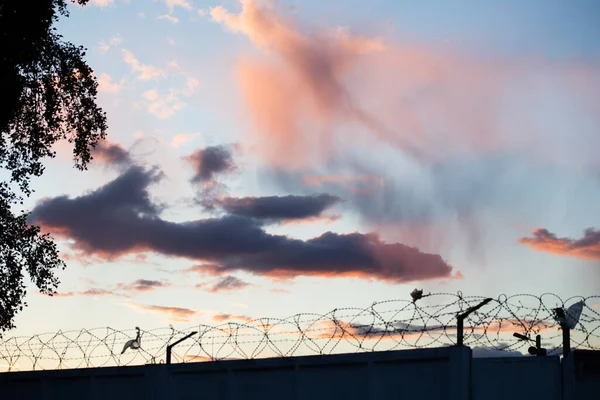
[
  {"x": 133, "y": 343},
  {"x": 416, "y": 294}
]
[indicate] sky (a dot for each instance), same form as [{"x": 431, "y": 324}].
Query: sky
[{"x": 268, "y": 158}]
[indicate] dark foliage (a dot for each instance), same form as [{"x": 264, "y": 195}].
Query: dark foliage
[{"x": 48, "y": 94}]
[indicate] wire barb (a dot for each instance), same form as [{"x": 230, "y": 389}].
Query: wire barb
[{"x": 386, "y": 325}]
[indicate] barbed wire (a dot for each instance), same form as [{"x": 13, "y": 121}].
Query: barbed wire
[{"x": 430, "y": 321}]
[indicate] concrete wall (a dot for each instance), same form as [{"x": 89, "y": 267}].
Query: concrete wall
[
  {"x": 581, "y": 375},
  {"x": 423, "y": 374},
  {"x": 446, "y": 373},
  {"x": 516, "y": 378}
]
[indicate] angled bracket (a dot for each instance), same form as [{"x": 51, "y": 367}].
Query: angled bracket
[
  {"x": 170, "y": 347},
  {"x": 460, "y": 320}
]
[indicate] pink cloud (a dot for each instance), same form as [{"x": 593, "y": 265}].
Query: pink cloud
[
  {"x": 103, "y": 3},
  {"x": 314, "y": 90},
  {"x": 145, "y": 72},
  {"x": 106, "y": 84},
  {"x": 585, "y": 248}
]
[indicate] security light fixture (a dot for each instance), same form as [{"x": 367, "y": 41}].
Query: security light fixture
[{"x": 536, "y": 350}]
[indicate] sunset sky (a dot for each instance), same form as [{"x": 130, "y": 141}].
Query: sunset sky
[{"x": 268, "y": 158}]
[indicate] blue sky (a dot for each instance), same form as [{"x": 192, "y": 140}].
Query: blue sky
[{"x": 500, "y": 99}]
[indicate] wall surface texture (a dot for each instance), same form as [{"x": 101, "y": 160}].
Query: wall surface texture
[{"x": 448, "y": 373}]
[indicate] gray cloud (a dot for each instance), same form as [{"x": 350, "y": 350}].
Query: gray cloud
[
  {"x": 210, "y": 161},
  {"x": 284, "y": 208},
  {"x": 111, "y": 153},
  {"x": 228, "y": 283},
  {"x": 119, "y": 218}
]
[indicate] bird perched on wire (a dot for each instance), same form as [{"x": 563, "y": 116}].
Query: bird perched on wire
[
  {"x": 416, "y": 294},
  {"x": 134, "y": 344}
]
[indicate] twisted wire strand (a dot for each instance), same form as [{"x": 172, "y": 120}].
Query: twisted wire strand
[{"x": 385, "y": 325}]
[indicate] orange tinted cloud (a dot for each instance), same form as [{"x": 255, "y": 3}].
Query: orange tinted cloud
[
  {"x": 519, "y": 326},
  {"x": 89, "y": 292},
  {"x": 324, "y": 220},
  {"x": 177, "y": 314},
  {"x": 311, "y": 87},
  {"x": 227, "y": 317},
  {"x": 313, "y": 68},
  {"x": 193, "y": 358},
  {"x": 586, "y": 248}
]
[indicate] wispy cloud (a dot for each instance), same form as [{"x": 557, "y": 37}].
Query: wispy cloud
[
  {"x": 145, "y": 72},
  {"x": 356, "y": 183},
  {"x": 163, "y": 106},
  {"x": 142, "y": 285},
  {"x": 171, "y": 4},
  {"x": 228, "y": 283},
  {"x": 120, "y": 289},
  {"x": 89, "y": 292},
  {"x": 177, "y": 314},
  {"x": 401, "y": 86},
  {"x": 227, "y": 317},
  {"x": 313, "y": 67},
  {"x": 105, "y": 46},
  {"x": 169, "y": 17},
  {"x": 182, "y": 138},
  {"x": 102, "y": 3}
]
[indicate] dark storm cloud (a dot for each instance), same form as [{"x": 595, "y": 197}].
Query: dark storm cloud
[
  {"x": 119, "y": 218},
  {"x": 283, "y": 208},
  {"x": 209, "y": 162}
]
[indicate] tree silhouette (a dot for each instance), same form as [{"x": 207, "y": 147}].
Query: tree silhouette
[{"x": 49, "y": 95}]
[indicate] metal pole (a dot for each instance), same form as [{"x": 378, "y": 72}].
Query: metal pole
[
  {"x": 460, "y": 318},
  {"x": 170, "y": 347},
  {"x": 459, "y": 330},
  {"x": 566, "y": 337},
  {"x": 566, "y": 332}
]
